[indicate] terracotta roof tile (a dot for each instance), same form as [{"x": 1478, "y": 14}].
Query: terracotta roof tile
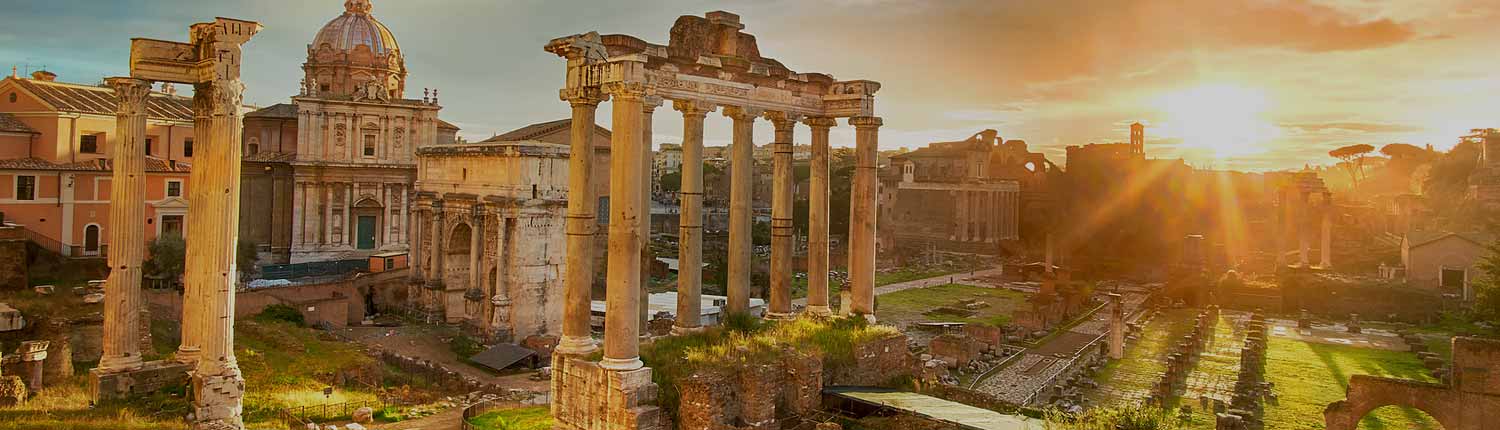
[
  {"x": 153, "y": 164},
  {"x": 100, "y": 100},
  {"x": 279, "y": 110},
  {"x": 531, "y": 132},
  {"x": 9, "y": 123}
]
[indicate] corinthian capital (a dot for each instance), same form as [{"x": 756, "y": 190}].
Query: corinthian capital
[
  {"x": 219, "y": 97},
  {"x": 627, "y": 91},
  {"x": 693, "y": 108},
  {"x": 739, "y": 113},
  {"x": 131, "y": 93}
]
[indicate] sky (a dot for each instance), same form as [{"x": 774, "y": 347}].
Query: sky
[{"x": 1227, "y": 84}]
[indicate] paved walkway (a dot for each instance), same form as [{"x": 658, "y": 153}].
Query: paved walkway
[
  {"x": 446, "y": 420},
  {"x": 923, "y": 283}
]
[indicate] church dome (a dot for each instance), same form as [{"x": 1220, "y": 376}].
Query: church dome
[{"x": 354, "y": 28}]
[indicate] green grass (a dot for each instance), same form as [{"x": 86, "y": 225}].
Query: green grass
[
  {"x": 1309, "y": 376},
  {"x": 1142, "y": 365},
  {"x": 917, "y": 304},
  {"x": 528, "y": 418},
  {"x": 286, "y": 366},
  {"x": 65, "y": 405}
]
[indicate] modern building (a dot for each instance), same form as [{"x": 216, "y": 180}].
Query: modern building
[
  {"x": 1445, "y": 261},
  {"x": 56, "y": 143}
]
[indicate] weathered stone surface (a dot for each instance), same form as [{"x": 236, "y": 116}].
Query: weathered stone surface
[
  {"x": 10, "y": 318},
  {"x": 12, "y": 391},
  {"x": 363, "y": 415},
  {"x": 151, "y": 377},
  {"x": 1470, "y": 402}
]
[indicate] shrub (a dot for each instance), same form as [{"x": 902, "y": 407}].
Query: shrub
[{"x": 280, "y": 312}]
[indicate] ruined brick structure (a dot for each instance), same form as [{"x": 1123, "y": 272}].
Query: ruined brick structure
[{"x": 1470, "y": 402}]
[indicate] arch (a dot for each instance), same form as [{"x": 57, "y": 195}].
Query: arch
[
  {"x": 91, "y": 239},
  {"x": 1367, "y": 393},
  {"x": 367, "y": 201}
]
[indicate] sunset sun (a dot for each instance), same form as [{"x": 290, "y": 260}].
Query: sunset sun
[{"x": 1218, "y": 120}]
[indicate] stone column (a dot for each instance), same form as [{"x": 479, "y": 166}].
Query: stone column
[
  {"x": 648, "y": 110},
  {"x": 780, "y": 303},
  {"x": 1325, "y": 252},
  {"x": 415, "y": 262},
  {"x": 218, "y": 387},
  {"x": 581, "y": 225},
  {"x": 742, "y": 181},
  {"x": 1116, "y": 327},
  {"x": 690, "y": 220},
  {"x": 476, "y": 246},
  {"x": 862, "y": 216},
  {"x": 127, "y": 229},
  {"x": 1304, "y": 243},
  {"x": 622, "y": 319},
  {"x": 817, "y": 217},
  {"x": 435, "y": 281}
]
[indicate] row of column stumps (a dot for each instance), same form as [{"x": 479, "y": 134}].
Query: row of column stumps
[
  {"x": 212, "y": 229},
  {"x": 629, "y": 218}
]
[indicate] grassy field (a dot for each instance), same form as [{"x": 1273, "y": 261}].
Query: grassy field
[
  {"x": 528, "y": 418},
  {"x": 284, "y": 365},
  {"x": 918, "y": 304},
  {"x": 1309, "y": 376},
  {"x": 1130, "y": 379}
]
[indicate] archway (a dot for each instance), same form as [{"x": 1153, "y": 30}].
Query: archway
[
  {"x": 368, "y": 223},
  {"x": 91, "y": 239},
  {"x": 457, "y": 257},
  {"x": 1392, "y": 417}
]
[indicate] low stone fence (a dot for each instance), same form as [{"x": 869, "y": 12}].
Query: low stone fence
[
  {"x": 435, "y": 373},
  {"x": 1251, "y": 388},
  {"x": 1184, "y": 356}
]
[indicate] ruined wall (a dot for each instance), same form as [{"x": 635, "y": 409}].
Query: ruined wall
[
  {"x": 13, "y": 267},
  {"x": 387, "y": 290},
  {"x": 597, "y": 398},
  {"x": 1376, "y": 300},
  {"x": 751, "y": 395}
]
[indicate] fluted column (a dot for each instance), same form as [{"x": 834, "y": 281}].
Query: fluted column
[
  {"x": 741, "y": 183},
  {"x": 648, "y": 111},
  {"x": 435, "y": 272},
  {"x": 780, "y": 303},
  {"x": 817, "y": 218},
  {"x": 476, "y": 244},
  {"x": 622, "y": 319},
  {"x": 127, "y": 229},
  {"x": 1325, "y": 251},
  {"x": 862, "y": 216},
  {"x": 414, "y": 264},
  {"x": 690, "y": 220},
  {"x": 582, "y": 224},
  {"x": 218, "y": 386}
]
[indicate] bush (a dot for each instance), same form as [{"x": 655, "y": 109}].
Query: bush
[
  {"x": 281, "y": 312},
  {"x": 464, "y": 346}
]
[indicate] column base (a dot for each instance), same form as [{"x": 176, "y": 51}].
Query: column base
[
  {"x": 621, "y": 364},
  {"x": 217, "y": 398},
  {"x": 780, "y": 316},
  {"x": 684, "y": 331},
  {"x": 187, "y": 355},
  {"x": 576, "y": 346},
  {"x": 149, "y": 378},
  {"x": 119, "y": 365},
  {"x": 817, "y": 310}
]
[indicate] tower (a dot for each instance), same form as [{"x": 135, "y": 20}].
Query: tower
[{"x": 1137, "y": 140}]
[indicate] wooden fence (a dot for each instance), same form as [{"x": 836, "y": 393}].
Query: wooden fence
[{"x": 298, "y": 417}]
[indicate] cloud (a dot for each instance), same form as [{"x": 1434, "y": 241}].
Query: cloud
[{"x": 1349, "y": 127}]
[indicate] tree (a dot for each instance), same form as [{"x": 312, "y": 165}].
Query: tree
[
  {"x": 672, "y": 182},
  {"x": 1353, "y": 157},
  {"x": 1487, "y": 288},
  {"x": 168, "y": 254},
  {"x": 245, "y": 255}
]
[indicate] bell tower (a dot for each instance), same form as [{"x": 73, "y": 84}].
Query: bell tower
[{"x": 1137, "y": 140}]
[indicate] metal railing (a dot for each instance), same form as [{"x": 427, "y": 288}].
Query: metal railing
[
  {"x": 475, "y": 410},
  {"x": 56, "y": 246},
  {"x": 319, "y": 268},
  {"x": 301, "y": 416}
]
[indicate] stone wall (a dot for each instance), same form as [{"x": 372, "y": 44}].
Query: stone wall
[
  {"x": 598, "y": 398},
  {"x": 751, "y": 395},
  {"x": 348, "y": 295},
  {"x": 1326, "y": 295},
  {"x": 153, "y": 376}
]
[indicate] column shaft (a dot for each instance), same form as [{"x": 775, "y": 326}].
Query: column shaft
[
  {"x": 780, "y": 305},
  {"x": 690, "y": 220},
  {"x": 127, "y": 229},
  {"x": 581, "y": 227},
  {"x": 648, "y": 110},
  {"x": 862, "y": 217},
  {"x": 817, "y": 214},
  {"x": 742, "y": 181},
  {"x": 415, "y": 262},
  {"x": 622, "y": 319},
  {"x": 1325, "y": 252}
]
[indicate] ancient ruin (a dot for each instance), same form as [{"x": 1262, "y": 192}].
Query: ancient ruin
[
  {"x": 1471, "y": 401},
  {"x": 708, "y": 63},
  {"x": 211, "y": 62}
]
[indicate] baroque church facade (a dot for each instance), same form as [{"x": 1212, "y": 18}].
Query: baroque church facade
[{"x": 329, "y": 175}]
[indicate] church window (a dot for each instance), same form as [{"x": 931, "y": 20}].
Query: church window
[
  {"x": 12, "y": 97},
  {"x": 26, "y": 187},
  {"x": 252, "y": 146},
  {"x": 369, "y": 145}
]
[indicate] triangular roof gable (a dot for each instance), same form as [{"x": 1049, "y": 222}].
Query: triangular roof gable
[
  {"x": 15, "y": 84},
  {"x": 1441, "y": 237},
  {"x": 172, "y": 202}
]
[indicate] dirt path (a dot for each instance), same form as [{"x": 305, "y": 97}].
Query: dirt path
[
  {"x": 447, "y": 420},
  {"x": 922, "y": 283}
]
